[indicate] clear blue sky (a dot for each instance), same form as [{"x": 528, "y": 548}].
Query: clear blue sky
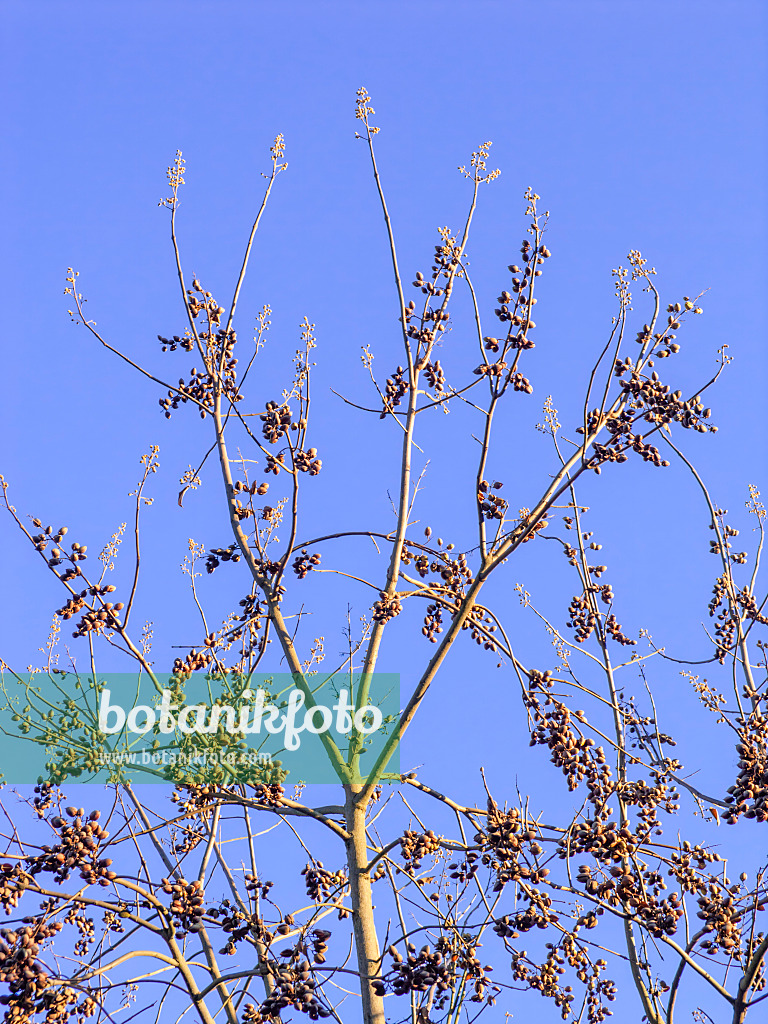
[{"x": 641, "y": 125}]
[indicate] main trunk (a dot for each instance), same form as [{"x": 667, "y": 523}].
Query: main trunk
[{"x": 366, "y": 940}]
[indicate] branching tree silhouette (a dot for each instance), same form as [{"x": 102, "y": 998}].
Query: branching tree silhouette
[{"x": 131, "y": 909}]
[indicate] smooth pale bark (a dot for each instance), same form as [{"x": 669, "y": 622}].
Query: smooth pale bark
[{"x": 366, "y": 939}]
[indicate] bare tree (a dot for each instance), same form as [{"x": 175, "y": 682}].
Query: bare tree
[{"x": 134, "y": 911}]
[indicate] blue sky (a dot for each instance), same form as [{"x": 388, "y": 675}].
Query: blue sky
[{"x": 641, "y": 125}]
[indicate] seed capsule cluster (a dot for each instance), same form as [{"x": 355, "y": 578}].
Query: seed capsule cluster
[
  {"x": 305, "y": 563},
  {"x": 322, "y": 883},
  {"x": 294, "y": 987},
  {"x": 195, "y": 661},
  {"x": 438, "y": 971},
  {"x": 395, "y": 390},
  {"x": 418, "y": 972},
  {"x": 435, "y": 377},
  {"x": 577, "y": 756},
  {"x": 13, "y": 883},
  {"x": 415, "y": 846},
  {"x": 80, "y": 839},
  {"x": 30, "y": 992},
  {"x": 510, "y": 849},
  {"x": 187, "y": 906},
  {"x": 387, "y": 607},
  {"x": 275, "y": 422},
  {"x": 748, "y": 796},
  {"x": 218, "y": 555}
]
